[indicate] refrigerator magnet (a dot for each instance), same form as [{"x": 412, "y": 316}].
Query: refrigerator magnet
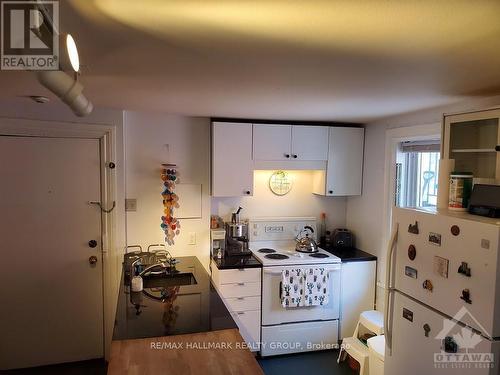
[
  {"x": 412, "y": 252},
  {"x": 411, "y": 272},
  {"x": 441, "y": 266},
  {"x": 413, "y": 228},
  {"x": 455, "y": 230},
  {"x": 435, "y": 238},
  {"x": 408, "y": 314}
]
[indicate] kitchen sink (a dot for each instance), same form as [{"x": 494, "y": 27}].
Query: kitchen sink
[{"x": 168, "y": 280}]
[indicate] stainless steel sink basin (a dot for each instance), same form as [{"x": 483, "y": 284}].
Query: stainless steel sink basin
[{"x": 168, "y": 280}]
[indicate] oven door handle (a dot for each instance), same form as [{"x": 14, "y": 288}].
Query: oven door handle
[
  {"x": 332, "y": 269},
  {"x": 280, "y": 289}
]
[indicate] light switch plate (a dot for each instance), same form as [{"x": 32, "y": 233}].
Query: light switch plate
[
  {"x": 130, "y": 204},
  {"x": 192, "y": 238}
]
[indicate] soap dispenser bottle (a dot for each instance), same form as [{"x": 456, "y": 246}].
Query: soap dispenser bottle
[{"x": 137, "y": 284}]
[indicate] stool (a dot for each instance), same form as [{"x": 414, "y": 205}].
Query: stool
[
  {"x": 376, "y": 348},
  {"x": 373, "y": 321}
]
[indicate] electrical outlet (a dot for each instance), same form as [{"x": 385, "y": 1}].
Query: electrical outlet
[
  {"x": 192, "y": 238},
  {"x": 130, "y": 204}
]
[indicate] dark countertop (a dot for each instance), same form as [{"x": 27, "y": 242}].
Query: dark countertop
[
  {"x": 351, "y": 254},
  {"x": 235, "y": 262},
  {"x": 185, "y": 309}
]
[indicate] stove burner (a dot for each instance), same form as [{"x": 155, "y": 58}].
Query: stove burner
[
  {"x": 276, "y": 256},
  {"x": 319, "y": 255},
  {"x": 266, "y": 251}
]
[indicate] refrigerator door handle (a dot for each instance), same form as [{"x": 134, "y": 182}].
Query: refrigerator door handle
[{"x": 389, "y": 288}]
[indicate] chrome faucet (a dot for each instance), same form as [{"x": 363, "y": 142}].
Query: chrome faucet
[
  {"x": 163, "y": 265},
  {"x": 133, "y": 264},
  {"x": 163, "y": 260}
]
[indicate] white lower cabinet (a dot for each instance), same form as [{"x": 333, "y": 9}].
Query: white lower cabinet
[
  {"x": 357, "y": 293},
  {"x": 240, "y": 289}
]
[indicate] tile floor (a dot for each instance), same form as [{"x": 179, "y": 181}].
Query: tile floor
[{"x": 313, "y": 363}]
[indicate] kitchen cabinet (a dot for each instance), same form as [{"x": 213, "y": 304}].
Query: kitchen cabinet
[
  {"x": 473, "y": 140},
  {"x": 344, "y": 169},
  {"x": 240, "y": 289},
  {"x": 310, "y": 142},
  {"x": 272, "y": 142},
  {"x": 286, "y": 142},
  {"x": 232, "y": 164},
  {"x": 357, "y": 293}
]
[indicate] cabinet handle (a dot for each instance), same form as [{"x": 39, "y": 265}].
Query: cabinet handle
[
  {"x": 241, "y": 284},
  {"x": 497, "y": 148},
  {"x": 287, "y": 156},
  {"x": 295, "y": 156},
  {"x": 330, "y": 191},
  {"x": 240, "y": 313},
  {"x": 247, "y": 192},
  {"x": 240, "y": 298}
]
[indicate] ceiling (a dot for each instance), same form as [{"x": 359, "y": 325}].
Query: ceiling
[{"x": 300, "y": 60}]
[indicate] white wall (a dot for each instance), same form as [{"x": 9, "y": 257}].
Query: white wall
[
  {"x": 298, "y": 202},
  {"x": 365, "y": 214},
  {"x": 146, "y": 135}
]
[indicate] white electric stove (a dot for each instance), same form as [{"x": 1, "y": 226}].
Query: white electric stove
[{"x": 298, "y": 329}]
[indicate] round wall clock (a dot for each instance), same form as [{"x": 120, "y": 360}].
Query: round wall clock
[{"x": 280, "y": 183}]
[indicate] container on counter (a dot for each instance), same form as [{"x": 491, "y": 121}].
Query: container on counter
[{"x": 460, "y": 190}]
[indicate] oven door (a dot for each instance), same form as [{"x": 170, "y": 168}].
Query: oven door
[{"x": 274, "y": 313}]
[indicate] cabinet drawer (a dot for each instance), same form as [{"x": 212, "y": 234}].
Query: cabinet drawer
[
  {"x": 240, "y": 290},
  {"x": 242, "y": 275},
  {"x": 243, "y": 303},
  {"x": 249, "y": 325}
]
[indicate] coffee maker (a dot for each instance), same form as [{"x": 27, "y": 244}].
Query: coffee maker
[{"x": 237, "y": 236}]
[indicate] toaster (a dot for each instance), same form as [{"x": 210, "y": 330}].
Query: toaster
[{"x": 342, "y": 238}]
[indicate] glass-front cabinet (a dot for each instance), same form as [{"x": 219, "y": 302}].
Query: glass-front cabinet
[{"x": 473, "y": 140}]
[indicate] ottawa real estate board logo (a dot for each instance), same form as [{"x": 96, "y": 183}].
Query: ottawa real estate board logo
[
  {"x": 462, "y": 347},
  {"x": 29, "y": 39}
]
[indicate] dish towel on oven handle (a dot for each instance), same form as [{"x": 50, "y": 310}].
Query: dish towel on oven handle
[
  {"x": 316, "y": 287},
  {"x": 292, "y": 288}
]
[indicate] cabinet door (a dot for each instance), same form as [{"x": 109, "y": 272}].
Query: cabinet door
[
  {"x": 473, "y": 141},
  {"x": 310, "y": 142},
  {"x": 232, "y": 164},
  {"x": 345, "y": 161},
  {"x": 272, "y": 142}
]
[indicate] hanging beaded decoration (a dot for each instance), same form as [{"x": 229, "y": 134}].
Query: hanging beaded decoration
[{"x": 169, "y": 223}]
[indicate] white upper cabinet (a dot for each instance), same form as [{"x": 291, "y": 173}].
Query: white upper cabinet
[
  {"x": 232, "y": 164},
  {"x": 286, "y": 142},
  {"x": 473, "y": 141},
  {"x": 310, "y": 142},
  {"x": 272, "y": 142},
  {"x": 344, "y": 171}
]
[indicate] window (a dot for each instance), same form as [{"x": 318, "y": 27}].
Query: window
[{"x": 417, "y": 164}]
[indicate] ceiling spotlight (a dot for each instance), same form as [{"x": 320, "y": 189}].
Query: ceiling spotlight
[{"x": 69, "y": 59}]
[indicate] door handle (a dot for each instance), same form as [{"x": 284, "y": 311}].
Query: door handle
[
  {"x": 389, "y": 289},
  {"x": 92, "y": 243},
  {"x": 92, "y": 259}
]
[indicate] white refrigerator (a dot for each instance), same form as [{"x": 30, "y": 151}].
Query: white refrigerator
[{"x": 443, "y": 301}]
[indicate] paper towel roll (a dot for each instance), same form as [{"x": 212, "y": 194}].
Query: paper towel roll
[{"x": 446, "y": 166}]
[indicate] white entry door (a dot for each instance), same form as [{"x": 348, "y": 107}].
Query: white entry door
[{"x": 52, "y": 297}]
